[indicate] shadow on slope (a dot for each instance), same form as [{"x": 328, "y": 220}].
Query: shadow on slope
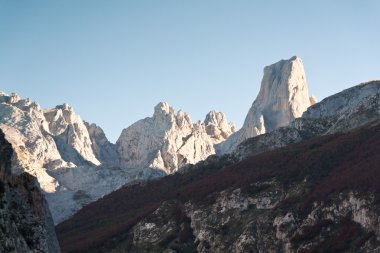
[{"x": 330, "y": 164}]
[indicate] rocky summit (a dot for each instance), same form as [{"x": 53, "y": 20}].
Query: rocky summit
[
  {"x": 283, "y": 97},
  {"x": 341, "y": 112},
  {"x": 70, "y": 135},
  {"x": 75, "y": 163},
  {"x": 311, "y": 186},
  {"x": 167, "y": 141},
  {"x": 282, "y": 183}
]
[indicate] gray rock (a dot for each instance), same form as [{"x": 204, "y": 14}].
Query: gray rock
[
  {"x": 104, "y": 150},
  {"x": 167, "y": 141},
  {"x": 346, "y": 110},
  {"x": 283, "y": 97},
  {"x": 25, "y": 221}
]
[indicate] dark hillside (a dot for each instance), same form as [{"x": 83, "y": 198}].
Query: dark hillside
[{"x": 329, "y": 165}]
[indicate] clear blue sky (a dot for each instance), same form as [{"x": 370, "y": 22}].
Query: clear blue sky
[{"x": 113, "y": 61}]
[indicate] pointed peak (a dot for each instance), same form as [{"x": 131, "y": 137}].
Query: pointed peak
[
  {"x": 295, "y": 58},
  {"x": 14, "y": 98},
  {"x": 214, "y": 117},
  {"x": 282, "y": 63},
  {"x": 64, "y": 106},
  {"x": 163, "y": 107}
]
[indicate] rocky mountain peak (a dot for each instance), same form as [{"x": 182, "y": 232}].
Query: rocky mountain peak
[
  {"x": 217, "y": 126},
  {"x": 169, "y": 140},
  {"x": 14, "y": 98},
  {"x": 283, "y": 97},
  {"x": 65, "y": 107},
  {"x": 283, "y": 94},
  {"x": 163, "y": 108},
  {"x": 70, "y": 134},
  {"x": 183, "y": 119},
  {"x": 214, "y": 117}
]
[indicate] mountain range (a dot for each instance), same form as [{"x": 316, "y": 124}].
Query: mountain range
[
  {"x": 288, "y": 190},
  {"x": 74, "y": 162},
  {"x": 214, "y": 169}
]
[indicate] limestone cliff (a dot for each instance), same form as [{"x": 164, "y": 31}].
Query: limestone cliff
[
  {"x": 104, "y": 150},
  {"x": 217, "y": 126},
  {"x": 70, "y": 134},
  {"x": 55, "y": 146},
  {"x": 23, "y": 122},
  {"x": 283, "y": 97},
  {"x": 25, "y": 222},
  {"x": 341, "y": 112},
  {"x": 169, "y": 140}
]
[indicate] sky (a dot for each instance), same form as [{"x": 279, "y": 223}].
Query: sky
[{"x": 113, "y": 61}]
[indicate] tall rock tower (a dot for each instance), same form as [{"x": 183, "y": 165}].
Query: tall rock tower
[{"x": 283, "y": 97}]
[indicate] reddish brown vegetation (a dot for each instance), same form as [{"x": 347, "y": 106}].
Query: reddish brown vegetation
[
  {"x": 346, "y": 235},
  {"x": 330, "y": 163}
]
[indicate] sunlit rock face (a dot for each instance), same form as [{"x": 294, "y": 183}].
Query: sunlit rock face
[
  {"x": 25, "y": 127},
  {"x": 169, "y": 140},
  {"x": 71, "y": 134},
  {"x": 25, "y": 220},
  {"x": 349, "y": 109},
  {"x": 217, "y": 126},
  {"x": 283, "y": 97},
  {"x": 55, "y": 146}
]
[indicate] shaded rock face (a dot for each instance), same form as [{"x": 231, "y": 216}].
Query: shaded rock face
[
  {"x": 104, "y": 150},
  {"x": 320, "y": 195},
  {"x": 279, "y": 215},
  {"x": 169, "y": 140},
  {"x": 283, "y": 97},
  {"x": 71, "y": 134},
  {"x": 25, "y": 221},
  {"x": 342, "y": 112}
]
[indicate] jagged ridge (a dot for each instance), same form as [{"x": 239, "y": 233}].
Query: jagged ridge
[{"x": 167, "y": 141}]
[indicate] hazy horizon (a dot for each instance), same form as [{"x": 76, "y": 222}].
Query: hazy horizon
[{"x": 114, "y": 62}]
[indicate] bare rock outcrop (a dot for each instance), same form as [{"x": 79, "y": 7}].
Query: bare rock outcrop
[
  {"x": 24, "y": 125},
  {"x": 217, "y": 126},
  {"x": 352, "y": 108},
  {"x": 169, "y": 140},
  {"x": 283, "y": 97},
  {"x": 104, "y": 150},
  {"x": 70, "y": 134},
  {"x": 25, "y": 221},
  {"x": 55, "y": 146}
]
